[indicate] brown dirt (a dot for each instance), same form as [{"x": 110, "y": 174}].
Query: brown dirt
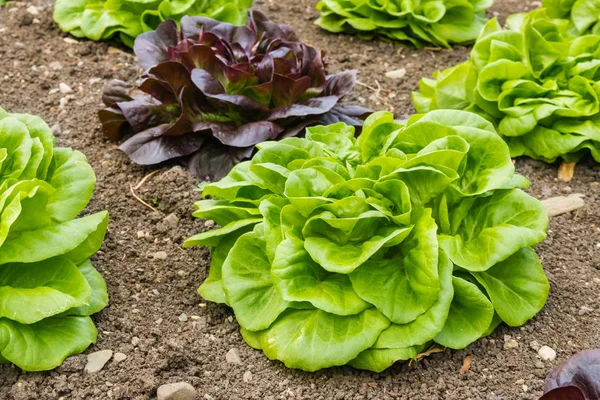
[{"x": 148, "y": 295}]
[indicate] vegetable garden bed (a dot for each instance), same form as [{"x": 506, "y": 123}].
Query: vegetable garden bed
[{"x": 170, "y": 334}]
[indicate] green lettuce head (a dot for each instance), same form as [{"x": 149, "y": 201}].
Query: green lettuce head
[
  {"x": 417, "y": 23},
  {"x": 124, "y": 20},
  {"x": 584, "y": 15},
  {"x": 334, "y": 250},
  {"x": 48, "y": 287},
  {"x": 539, "y": 85}
]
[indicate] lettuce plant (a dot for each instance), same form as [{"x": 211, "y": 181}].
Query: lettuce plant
[
  {"x": 124, "y": 20},
  {"x": 48, "y": 286},
  {"x": 538, "y": 85},
  {"x": 584, "y": 15},
  {"x": 333, "y": 250},
  {"x": 578, "y": 378},
  {"x": 418, "y": 23},
  {"x": 218, "y": 90}
]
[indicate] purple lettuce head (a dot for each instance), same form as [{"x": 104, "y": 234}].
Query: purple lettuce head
[
  {"x": 578, "y": 378},
  {"x": 213, "y": 91}
]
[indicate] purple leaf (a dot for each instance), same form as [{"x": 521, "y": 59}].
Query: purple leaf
[
  {"x": 286, "y": 90},
  {"x": 340, "y": 84},
  {"x": 318, "y": 105},
  {"x": 581, "y": 371},
  {"x": 114, "y": 124},
  {"x": 151, "y": 47},
  {"x": 214, "y": 160},
  {"x": 149, "y": 147},
  {"x": 116, "y": 91},
  {"x": 144, "y": 113},
  {"x": 564, "y": 393},
  {"x": 246, "y": 135},
  {"x": 212, "y": 88}
]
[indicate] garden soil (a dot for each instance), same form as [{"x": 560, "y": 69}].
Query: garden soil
[{"x": 170, "y": 334}]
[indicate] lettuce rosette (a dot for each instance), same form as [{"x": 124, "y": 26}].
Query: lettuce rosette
[
  {"x": 584, "y": 15},
  {"x": 212, "y": 91},
  {"x": 124, "y": 20},
  {"x": 333, "y": 250},
  {"x": 48, "y": 286},
  {"x": 416, "y": 23},
  {"x": 539, "y": 85}
]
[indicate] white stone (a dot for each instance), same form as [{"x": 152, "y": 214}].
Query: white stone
[
  {"x": 171, "y": 220},
  {"x": 510, "y": 344},
  {"x": 64, "y": 88},
  {"x": 563, "y": 204},
  {"x": 547, "y": 353},
  {"x": 183, "y": 317},
  {"x": 135, "y": 340},
  {"x": 176, "y": 391},
  {"x": 33, "y": 10},
  {"x": 119, "y": 357},
  {"x": 247, "y": 376},
  {"x": 160, "y": 255},
  {"x": 396, "y": 74},
  {"x": 96, "y": 361},
  {"x": 233, "y": 356}
]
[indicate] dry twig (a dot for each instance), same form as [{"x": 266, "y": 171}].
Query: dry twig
[{"x": 139, "y": 185}]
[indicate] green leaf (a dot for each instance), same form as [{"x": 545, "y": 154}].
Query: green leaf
[
  {"x": 501, "y": 224},
  {"x": 77, "y": 240},
  {"x": 45, "y": 345},
  {"x": 346, "y": 258},
  {"x": 298, "y": 278},
  {"x": 248, "y": 284},
  {"x": 378, "y": 360},
  {"x": 214, "y": 236},
  {"x": 405, "y": 286},
  {"x": 313, "y": 339},
  {"x": 517, "y": 286},
  {"x": 469, "y": 317},
  {"x": 427, "y": 325},
  {"x": 33, "y": 292},
  {"x": 99, "y": 297}
]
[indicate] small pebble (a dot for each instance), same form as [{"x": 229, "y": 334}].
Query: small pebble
[
  {"x": 56, "y": 131},
  {"x": 396, "y": 74},
  {"x": 171, "y": 221},
  {"x": 209, "y": 223},
  {"x": 233, "y": 356},
  {"x": 520, "y": 382},
  {"x": 135, "y": 340},
  {"x": 160, "y": 255},
  {"x": 55, "y": 65},
  {"x": 33, "y": 10},
  {"x": 534, "y": 345},
  {"x": 183, "y": 317},
  {"x": 176, "y": 391},
  {"x": 64, "y": 88},
  {"x": 547, "y": 353},
  {"x": 97, "y": 360},
  {"x": 118, "y": 357},
  {"x": 247, "y": 376},
  {"x": 141, "y": 234},
  {"x": 510, "y": 344}
]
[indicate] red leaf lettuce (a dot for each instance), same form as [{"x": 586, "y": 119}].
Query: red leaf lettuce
[
  {"x": 578, "y": 378},
  {"x": 213, "y": 91}
]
